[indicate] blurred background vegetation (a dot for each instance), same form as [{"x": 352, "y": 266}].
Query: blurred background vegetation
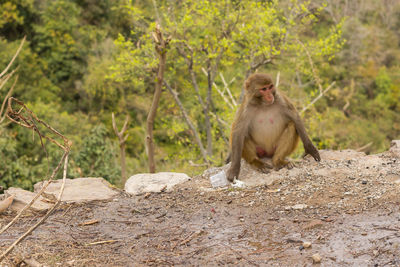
[{"x": 85, "y": 59}]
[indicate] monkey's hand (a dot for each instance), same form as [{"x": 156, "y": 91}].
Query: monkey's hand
[
  {"x": 310, "y": 149},
  {"x": 233, "y": 173}
]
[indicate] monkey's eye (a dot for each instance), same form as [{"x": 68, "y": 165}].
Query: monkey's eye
[
  {"x": 271, "y": 86},
  {"x": 264, "y": 89}
]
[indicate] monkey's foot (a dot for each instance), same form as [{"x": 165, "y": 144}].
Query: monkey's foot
[
  {"x": 284, "y": 163},
  {"x": 262, "y": 166},
  {"x": 290, "y": 165}
]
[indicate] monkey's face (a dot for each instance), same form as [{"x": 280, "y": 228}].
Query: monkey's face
[{"x": 267, "y": 93}]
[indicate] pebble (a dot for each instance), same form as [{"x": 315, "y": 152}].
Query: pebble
[
  {"x": 316, "y": 258},
  {"x": 307, "y": 244}
]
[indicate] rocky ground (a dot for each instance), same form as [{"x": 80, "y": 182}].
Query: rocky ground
[{"x": 342, "y": 211}]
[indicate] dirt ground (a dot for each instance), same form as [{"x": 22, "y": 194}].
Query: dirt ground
[{"x": 346, "y": 206}]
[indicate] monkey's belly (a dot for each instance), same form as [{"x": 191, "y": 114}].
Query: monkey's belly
[{"x": 266, "y": 129}]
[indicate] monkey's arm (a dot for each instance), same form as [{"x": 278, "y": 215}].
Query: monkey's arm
[
  {"x": 309, "y": 148},
  {"x": 239, "y": 131}
]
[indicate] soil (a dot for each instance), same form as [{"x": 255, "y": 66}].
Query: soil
[{"x": 346, "y": 206}]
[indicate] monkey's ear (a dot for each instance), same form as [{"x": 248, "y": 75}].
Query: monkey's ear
[{"x": 247, "y": 84}]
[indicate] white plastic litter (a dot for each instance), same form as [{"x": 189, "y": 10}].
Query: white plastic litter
[
  {"x": 238, "y": 183},
  {"x": 219, "y": 180}
]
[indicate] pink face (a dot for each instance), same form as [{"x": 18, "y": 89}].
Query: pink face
[{"x": 267, "y": 93}]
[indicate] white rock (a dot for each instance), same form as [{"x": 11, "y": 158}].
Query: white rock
[
  {"x": 80, "y": 189},
  {"x": 154, "y": 182},
  {"x": 23, "y": 197}
]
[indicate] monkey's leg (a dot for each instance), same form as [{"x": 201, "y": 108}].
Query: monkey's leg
[
  {"x": 286, "y": 144},
  {"x": 250, "y": 155}
]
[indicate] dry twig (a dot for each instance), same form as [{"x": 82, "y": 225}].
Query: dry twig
[
  {"x": 122, "y": 140},
  {"x": 321, "y": 94},
  {"x": 31, "y": 121}
]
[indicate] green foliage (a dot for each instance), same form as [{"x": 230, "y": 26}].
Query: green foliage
[{"x": 97, "y": 157}]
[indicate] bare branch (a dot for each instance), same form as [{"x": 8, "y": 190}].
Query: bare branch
[
  {"x": 188, "y": 121},
  {"x": 314, "y": 71},
  {"x": 15, "y": 56},
  {"x": 29, "y": 121},
  {"x": 30, "y": 230},
  {"x": 321, "y": 94},
  {"x": 122, "y": 140},
  {"x": 219, "y": 91},
  {"x": 2, "y": 117},
  {"x": 226, "y": 87}
]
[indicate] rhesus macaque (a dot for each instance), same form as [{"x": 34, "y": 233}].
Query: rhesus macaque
[{"x": 266, "y": 125}]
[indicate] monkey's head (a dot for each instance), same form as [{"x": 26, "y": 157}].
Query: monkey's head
[{"x": 260, "y": 86}]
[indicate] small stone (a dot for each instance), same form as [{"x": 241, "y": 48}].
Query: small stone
[
  {"x": 299, "y": 206},
  {"x": 364, "y": 182},
  {"x": 307, "y": 244},
  {"x": 316, "y": 258}
]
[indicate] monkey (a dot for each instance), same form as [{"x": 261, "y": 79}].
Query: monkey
[{"x": 266, "y": 125}]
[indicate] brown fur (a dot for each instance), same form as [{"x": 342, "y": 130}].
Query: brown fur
[{"x": 266, "y": 125}]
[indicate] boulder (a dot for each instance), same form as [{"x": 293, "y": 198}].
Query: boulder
[
  {"x": 23, "y": 197},
  {"x": 80, "y": 189},
  {"x": 154, "y": 182}
]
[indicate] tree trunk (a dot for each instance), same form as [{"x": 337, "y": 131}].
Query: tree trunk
[{"x": 161, "y": 48}]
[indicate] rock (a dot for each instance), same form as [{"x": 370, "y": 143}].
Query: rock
[
  {"x": 395, "y": 148},
  {"x": 4, "y": 204},
  {"x": 307, "y": 244},
  {"x": 316, "y": 258},
  {"x": 23, "y": 197},
  {"x": 80, "y": 189},
  {"x": 154, "y": 182}
]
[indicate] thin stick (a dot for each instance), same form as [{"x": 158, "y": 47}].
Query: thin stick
[
  {"x": 188, "y": 121},
  {"x": 2, "y": 117},
  {"x": 102, "y": 242},
  {"x": 15, "y": 56},
  {"x": 16, "y": 242},
  {"x": 314, "y": 71},
  {"x": 321, "y": 94},
  {"x": 227, "y": 88},
  {"x": 364, "y": 147},
  {"x": 8, "y": 76},
  {"x": 27, "y": 206},
  {"x": 219, "y": 91}
]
